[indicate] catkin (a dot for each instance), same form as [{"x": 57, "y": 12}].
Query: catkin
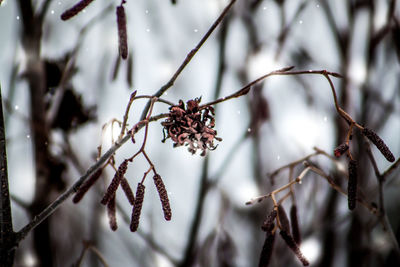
[
  {"x": 268, "y": 224},
  {"x": 122, "y": 33},
  {"x": 85, "y": 186},
  {"x": 128, "y": 191},
  {"x": 111, "y": 212},
  {"x": 352, "y": 185},
  {"x": 341, "y": 149},
  {"x": 295, "y": 224},
  {"x": 267, "y": 249},
  {"x": 293, "y": 246},
  {"x": 137, "y": 207},
  {"x": 69, "y": 13},
  {"x": 162, "y": 192},
  {"x": 112, "y": 188},
  {"x": 283, "y": 219},
  {"x": 378, "y": 142}
]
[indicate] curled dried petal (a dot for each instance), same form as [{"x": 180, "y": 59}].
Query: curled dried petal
[
  {"x": 69, "y": 13},
  {"x": 137, "y": 207}
]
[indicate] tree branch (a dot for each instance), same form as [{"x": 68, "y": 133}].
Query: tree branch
[{"x": 7, "y": 235}]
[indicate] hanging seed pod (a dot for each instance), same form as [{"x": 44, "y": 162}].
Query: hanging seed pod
[
  {"x": 86, "y": 185},
  {"x": 116, "y": 68},
  {"x": 267, "y": 249},
  {"x": 283, "y": 219},
  {"x": 111, "y": 212},
  {"x": 162, "y": 192},
  {"x": 122, "y": 33},
  {"x": 129, "y": 71},
  {"x": 352, "y": 185},
  {"x": 268, "y": 224},
  {"x": 295, "y": 224},
  {"x": 378, "y": 142},
  {"x": 137, "y": 207},
  {"x": 341, "y": 149},
  {"x": 69, "y": 13},
  {"x": 293, "y": 246},
  {"x": 128, "y": 191},
  {"x": 112, "y": 188}
]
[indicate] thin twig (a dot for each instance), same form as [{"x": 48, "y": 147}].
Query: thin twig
[
  {"x": 7, "y": 234},
  {"x": 189, "y": 56}
]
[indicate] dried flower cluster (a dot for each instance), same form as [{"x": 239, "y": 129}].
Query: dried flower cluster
[{"x": 191, "y": 126}]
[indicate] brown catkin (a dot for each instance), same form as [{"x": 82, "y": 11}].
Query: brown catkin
[
  {"x": 122, "y": 33},
  {"x": 112, "y": 188},
  {"x": 137, "y": 207},
  {"x": 378, "y": 142},
  {"x": 128, "y": 191},
  {"x": 267, "y": 249},
  {"x": 352, "y": 185},
  {"x": 293, "y": 246},
  {"x": 295, "y": 224},
  {"x": 69, "y": 13},
  {"x": 163, "y": 196},
  {"x": 111, "y": 212},
  {"x": 86, "y": 186},
  {"x": 268, "y": 224},
  {"x": 283, "y": 219},
  {"x": 341, "y": 149}
]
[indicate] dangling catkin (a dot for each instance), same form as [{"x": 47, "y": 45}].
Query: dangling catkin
[
  {"x": 352, "y": 185},
  {"x": 128, "y": 191},
  {"x": 267, "y": 250},
  {"x": 85, "y": 186},
  {"x": 341, "y": 149},
  {"x": 163, "y": 196},
  {"x": 122, "y": 33},
  {"x": 111, "y": 212},
  {"x": 268, "y": 224},
  {"x": 283, "y": 219},
  {"x": 69, "y": 13},
  {"x": 295, "y": 224},
  {"x": 378, "y": 142},
  {"x": 137, "y": 207},
  {"x": 293, "y": 246},
  {"x": 112, "y": 188}
]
